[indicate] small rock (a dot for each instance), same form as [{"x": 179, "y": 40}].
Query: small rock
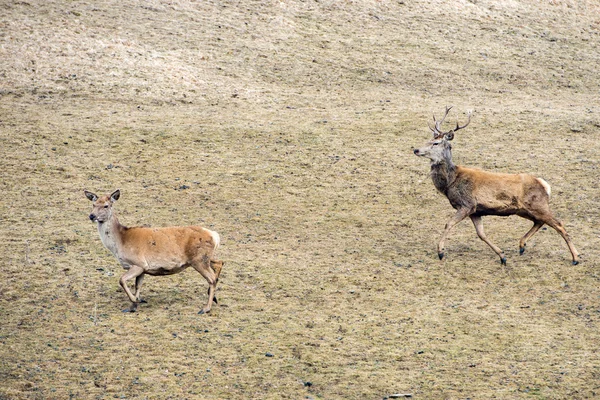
[{"x": 269, "y": 354}]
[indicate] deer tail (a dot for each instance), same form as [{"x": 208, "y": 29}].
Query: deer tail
[
  {"x": 216, "y": 238},
  {"x": 546, "y": 186}
]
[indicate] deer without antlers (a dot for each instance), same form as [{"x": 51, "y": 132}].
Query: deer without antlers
[
  {"x": 475, "y": 193},
  {"x": 155, "y": 251}
]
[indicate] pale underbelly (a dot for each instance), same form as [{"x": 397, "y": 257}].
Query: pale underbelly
[{"x": 153, "y": 269}]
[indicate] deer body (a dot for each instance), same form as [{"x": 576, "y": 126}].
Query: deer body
[
  {"x": 475, "y": 193},
  {"x": 488, "y": 193},
  {"x": 156, "y": 251}
]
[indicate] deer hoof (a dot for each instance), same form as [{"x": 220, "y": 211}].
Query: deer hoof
[
  {"x": 441, "y": 256},
  {"x": 521, "y": 250},
  {"x": 133, "y": 308},
  {"x": 575, "y": 262},
  {"x": 503, "y": 260},
  {"x": 203, "y": 312},
  {"x": 143, "y": 301}
]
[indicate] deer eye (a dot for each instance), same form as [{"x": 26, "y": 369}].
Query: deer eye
[
  {"x": 106, "y": 206},
  {"x": 436, "y": 143}
]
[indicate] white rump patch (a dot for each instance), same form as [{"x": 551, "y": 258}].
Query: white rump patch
[
  {"x": 546, "y": 185},
  {"x": 216, "y": 238}
]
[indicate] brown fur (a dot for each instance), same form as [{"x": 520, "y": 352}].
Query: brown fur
[{"x": 156, "y": 251}]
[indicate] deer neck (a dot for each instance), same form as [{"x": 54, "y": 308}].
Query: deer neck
[
  {"x": 443, "y": 174},
  {"x": 110, "y": 234}
]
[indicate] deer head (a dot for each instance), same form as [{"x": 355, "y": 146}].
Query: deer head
[
  {"x": 102, "y": 209},
  {"x": 439, "y": 148}
]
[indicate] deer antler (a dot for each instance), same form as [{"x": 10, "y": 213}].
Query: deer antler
[
  {"x": 437, "y": 132},
  {"x": 439, "y": 124},
  {"x": 433, "y": 130},
  {"x": 460, "y": 127},
  {"x": 437, "y": 129}
]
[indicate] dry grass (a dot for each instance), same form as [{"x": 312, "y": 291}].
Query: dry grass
[{"x": 288, "y": 127}]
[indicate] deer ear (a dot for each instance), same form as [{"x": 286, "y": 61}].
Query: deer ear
[
  {"x": 450, "y": 135},
  {"x": 115, "y": 195},
  {"x": 91, "y": 196}
]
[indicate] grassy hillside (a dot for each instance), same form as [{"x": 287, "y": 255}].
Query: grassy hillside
[{"x": 288, "y": 127}]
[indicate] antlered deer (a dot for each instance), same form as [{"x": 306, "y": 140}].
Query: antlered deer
[
  {"x": 155, "y": 251},
  {"x": 475, "y": 193}
]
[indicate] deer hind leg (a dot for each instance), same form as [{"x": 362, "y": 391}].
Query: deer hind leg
[
  {"x": 537, "y": 224},
  {"x": 558, "y": 226},
  {"x": 203, "y": 266},
  {"x": 478, "y": 223},
  {"x": 133, "y": 272},
  {"x": 216, "y": 266},
  {"x": 459, "y": 216}
]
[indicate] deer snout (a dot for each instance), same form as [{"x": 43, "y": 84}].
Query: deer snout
[
  {"x": 92, "y": 217},
  {"x": 416, "y": 151}
]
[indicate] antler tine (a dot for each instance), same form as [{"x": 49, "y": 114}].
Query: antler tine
[
  {"x": 460, "y": 127},
  {"x": 438, "y": 124},
  {"x": 433, "y": 130}
]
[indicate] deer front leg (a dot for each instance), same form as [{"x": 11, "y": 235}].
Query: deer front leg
[
  {"x": 138, "y": 288},
  {"x": 459, "y": 216},
  {"x": 479, "y": 229},
  {"x": 133, "y": 272}
]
